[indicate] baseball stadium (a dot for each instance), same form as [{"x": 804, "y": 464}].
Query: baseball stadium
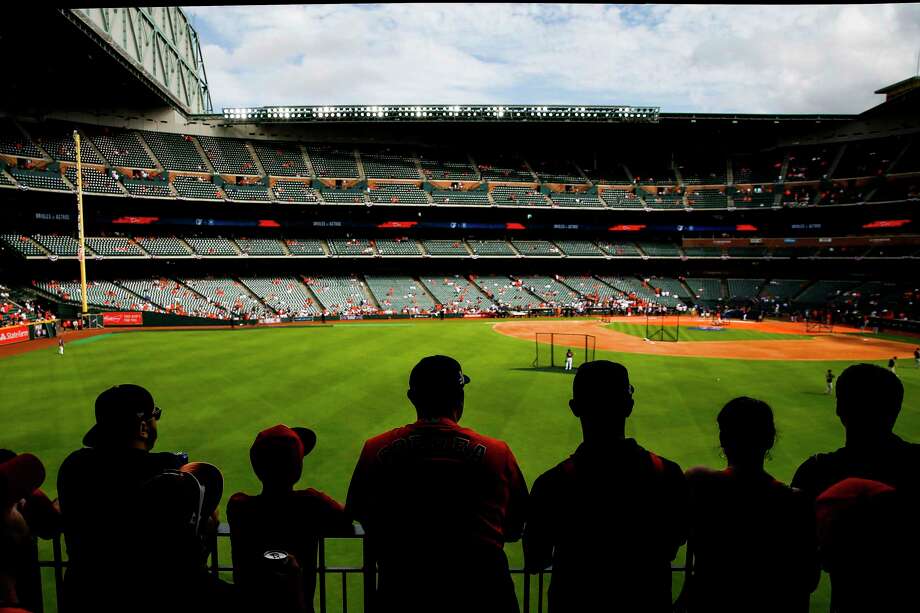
[{"x": 262, "y": 265}]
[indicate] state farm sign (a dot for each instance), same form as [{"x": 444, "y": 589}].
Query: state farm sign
[{"x": 14, "y": 334}]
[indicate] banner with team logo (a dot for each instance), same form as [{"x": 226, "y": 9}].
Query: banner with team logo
[
  {"x": 122, "y": 318},
  {"x": 14, "y": 334}
]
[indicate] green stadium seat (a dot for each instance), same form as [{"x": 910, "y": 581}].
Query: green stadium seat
[
  {"x": 16, "y": 143},
  {"x": 398, "y": 193},
  {"x": 580, "y": 249},
  {"x": 305, "y": 247},
  {"x": 122, "y": 148},
  {"x": 341, "y": 295},
  {"x": 295, "y": 191},
  {"x": 212, "y": 246},
  {"x": 350, "y": 247},
  {"x": 490, "y": 248},
  {"x": 175, "y": 151},
  {"x": 619, "y": 249},
  {"x": 507, "y": 292},
  {"x": 333, "y": 163},
  {"x": 457, "y": 294},
  {"x": 196, "y": 188},
  {"x": 39, "y": 179},
  {"x": 163, "y": 246},
  {"x": 287, "y": 296},
  {"x": 246, "y": 193},
  {"x": 22, "y": 244},
  {"x": 231, "y": 296},
  {"x": 397, "y": 247},
  {"x": 260, "y": 246},
  {"x": 229, "y": 155},
  {"x": 95, "y": 181},
  {"x": 400, "y": 294},
  {"x": 114, "y": 246},
  {"x": 445, "y": 247},
  {"x": 459, "y": 197},
  {"x": 506, "y": 195},
  {"x": 531, "y": 248},
  {"x": 281, "y": 159}
]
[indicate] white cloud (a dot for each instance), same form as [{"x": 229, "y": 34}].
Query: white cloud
[{"x": 754, "y": 59}]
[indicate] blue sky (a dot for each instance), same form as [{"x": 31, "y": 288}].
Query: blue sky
[{"x": 682, "y": 58}]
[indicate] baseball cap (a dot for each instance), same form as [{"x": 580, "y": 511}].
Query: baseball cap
[
  {"x": 599, "y": 379},
  {"x": 437, "y": 373},
  {"x": 211, "y": 479},
  {"x": 116, "y": 407},
  {"x": 19, "y": 477},
  {"x": 278, "y": 452}
]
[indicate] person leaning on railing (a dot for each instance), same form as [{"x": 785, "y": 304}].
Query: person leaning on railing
[
  {"x": 752, "y": 537},
  {"x": 438, "y": 502},
  {"x": 640, "y": 495},
  {"x": 281, "y": 519}
]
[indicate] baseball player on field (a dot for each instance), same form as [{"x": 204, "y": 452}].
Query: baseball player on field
[{"x": 568, "y": 359}]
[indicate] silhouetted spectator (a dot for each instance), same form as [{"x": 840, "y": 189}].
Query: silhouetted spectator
[
  {"x": 20, "y": 478},
  {"x": 611, "y": 517},
  {"x": 281, "y": 518},
  {"x": 97, "y": 486},
  {"x": 177, "y": 518},
  {"x": 438, "y": 503},
  {"x": 869, "y": 400},
  {"x": 752, "y": 537}
]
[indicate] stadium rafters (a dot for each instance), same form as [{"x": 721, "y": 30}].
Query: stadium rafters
[
  {"x": 157, "y": 44},
  {"x": 441, "y": 113}
]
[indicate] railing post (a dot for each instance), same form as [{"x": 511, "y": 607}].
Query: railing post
[
  {"x": 33, "y": 580},
  {"x": 526, "y": 607},
  {"x": 58, "y": 572},
  {"x": 540, "y": 592},
  {"x": 321, "y": 572},
  {"x": 369, "y": 573}
]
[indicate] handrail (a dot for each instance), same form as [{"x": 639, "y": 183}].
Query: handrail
[{"x": 367, "y": 570}]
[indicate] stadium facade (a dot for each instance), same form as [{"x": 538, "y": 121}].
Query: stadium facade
[{"x": 405, "y": 209}]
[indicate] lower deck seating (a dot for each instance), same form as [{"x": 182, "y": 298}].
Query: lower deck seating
[
  {"x": 400, "y": 294},
  {"x": 703, "y": 252},
  {"x": 670, "y": 286},
  {"x": 103, "y": 294},
  {"x": 782, "y": 289},
  {"x": 506, "y": 292},
  {"x": 341, "y": 295},
  {"x": 457, "y": 293},
  {"x": 230, "y": 295},
  {"x": 707, "y": 199},
  {"x": 706, "y": 288},
  {"x": 641, "y": 290},
  {"x": 551, "y": 291},
  {"x": 744, "y": 289},
  {"x": 174, "y": 297},
  {"x": 593, "y": 289},
  {"x": 822, "y": 292},
  {"x": 660, "y": 250},
  {"x": 338, "y": 196},
  {"x": 286, "y": 295}
]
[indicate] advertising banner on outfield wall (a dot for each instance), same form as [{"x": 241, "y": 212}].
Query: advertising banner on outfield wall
[
  {"x": 14, "y": 334},
  {"x": 122, "y": 318}
]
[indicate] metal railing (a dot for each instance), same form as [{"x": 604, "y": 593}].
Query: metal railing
[{"x": 323, "y": 570}]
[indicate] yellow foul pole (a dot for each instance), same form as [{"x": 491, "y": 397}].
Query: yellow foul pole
[{"x": 81, "y": 252}]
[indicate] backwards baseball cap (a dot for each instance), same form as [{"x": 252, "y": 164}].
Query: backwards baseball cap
[
  {"x": 118, "y": 407},
  {"x": 437, "y": 373},
  {"x": 278, "y": 452},
  {"x": 19, "y": 477}
]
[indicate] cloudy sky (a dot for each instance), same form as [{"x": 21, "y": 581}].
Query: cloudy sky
[{"x": 751, "y": 59}]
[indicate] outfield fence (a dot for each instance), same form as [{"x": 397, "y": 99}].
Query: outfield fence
[{"x": 367, "y": 570}]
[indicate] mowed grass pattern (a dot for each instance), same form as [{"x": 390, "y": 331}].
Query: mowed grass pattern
[
  {"x": 348, "y": 382},
  {"x": 691, "y": 334}
]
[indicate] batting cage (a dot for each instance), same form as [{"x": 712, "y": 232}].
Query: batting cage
[
  {"x": 662, "y": 327},
  {"x": 818, "y": 322},
  {"x": 552, "y": 347}
]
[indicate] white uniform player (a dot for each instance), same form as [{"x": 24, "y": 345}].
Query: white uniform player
[{"x": 568, "y": 359}]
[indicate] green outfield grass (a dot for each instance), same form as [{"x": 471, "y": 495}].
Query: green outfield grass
[
  {"x": 687, "y": 333},
  {"x": 348, "y": 382}
]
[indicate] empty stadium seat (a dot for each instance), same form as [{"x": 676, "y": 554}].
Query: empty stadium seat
[
  {"x": 744, "y": 289},
  {"x": 196, "y": 188},
  {"x": 505, "y": 195},
  {"x": 163, "y": 246},
  {"x": 294, "y": 191},
  {"x": 621, "y": 199},
  {"x": 39, "y": 179},
  {"x": 228, "y": 155},
  {"x": 350, "y": 246},
  {"x": 22, "y": 244},
  {"x": 459, "y": 197},
  {"x": 212, "y": 246},
  {"x": 305, "y": 247},
  {"x": 335, "y": 196},
  {"x": 246, "y": 193},
  {"x": 707, "y": 199},
  {"x": 506, "y": 292},
  {"x": 58, "y": 245},
  {"x": 619, "y": 249},
  {"x": 286, "y": 295},
  {"x": 402, "y": 247},
  {"x": 281, "y": 159},
  {"x": 57, "y": 140},
  {"x": 147, "y": 189},
  {"x": 445, "y": 247},
  {"x": 175, "y": 151},
  {"x": 584, "y": 249},
  {"x": 260, "y": 246},
  {"x": 230, "y": 295},
  {"x": 114, "y": 246},
  {"x": 497, "y": 167},
  {"x": 95, "y": 181},
  {"x": 447, "y": 166},
  {"x": 333, "y": 163},
  {"x": 530, "y": 248},
  {"x": 457, "y": 293},
  {"x": 491, "y": 248},
  {"x": 660, "y": 250},
  {"x": 122, "y": 148},
  {"x": 16, "y": 143},
  {"x": 551, "y": 291},
  {"x": 389, "y": 166},
  {"x": 576, "y": 200},
  {"x": 341, "y": 295},
  {"x": 400, "y": 294},
  {"x": 397, "y": 194}
]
